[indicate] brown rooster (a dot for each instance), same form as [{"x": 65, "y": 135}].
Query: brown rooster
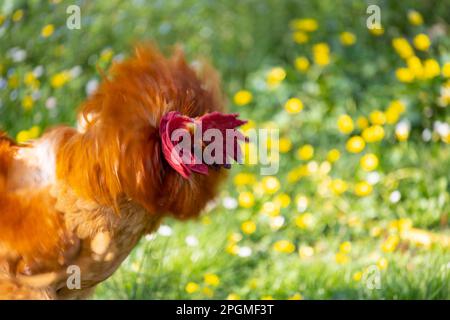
[{"x": 84, "y": 197}]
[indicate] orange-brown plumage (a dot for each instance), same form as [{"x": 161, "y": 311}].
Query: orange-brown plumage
[{"x": 86, "y": 196}]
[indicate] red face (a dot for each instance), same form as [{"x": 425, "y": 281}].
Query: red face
[{"x": 188, "y": 161}]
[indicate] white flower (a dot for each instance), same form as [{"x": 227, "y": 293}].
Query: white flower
[
  {"x": 403, "y": 128},
  {"x": 426, "y": 135},
  {"x": 244, "y": 252},
  {"x": 50, "y": 103},
  {"x": 165, "y": 231},
  {"x": 229, "y": 203},
  {"x": 17, "y": 54},
  {"x": 302, "y": 203},
  {"x": 191, "y": 241},
  {"x": 38, "y": 71},
  {"x": 276, "y": 222},
  {"x": 91, "y": 86},
  {"x": 75, "y": 71},
  {"x": 395, "y": 196},
  {"x": 373, "y": 177}
]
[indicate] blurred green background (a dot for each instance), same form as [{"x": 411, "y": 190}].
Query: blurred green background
[{"x": 360, "y": 205}]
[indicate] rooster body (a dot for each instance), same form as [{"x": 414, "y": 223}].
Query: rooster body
[{"x": 84, "y": 197}]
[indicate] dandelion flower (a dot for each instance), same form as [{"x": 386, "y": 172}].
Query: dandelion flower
[
  {"x": 296, "y": 296},
  {"x": 270, "y": 184},
  {"x": 27, "y": 102},
  {"x": 17, "y": 15},
  {"x": 191, "y": 287},
  {"x": 233, "y": 296},
  {"x": 362, "y": 122},
  {"x": 306, "y": 152},
  {"x": 338, "y": 186},
  {"x": 246, "y": 200},
  {"x": 284, "y": 246},
  {"x": 306, "y": 24},
  {"x": 347, "y": 38},
  {"x": 333, "y": 155},
  {"x": 321, "y": 52},
  {"x": 404, "y": 75},
  {"x": 345, "y": 247},
  {"x": 422, "y": 42},
  {"x": 357, "y": 276},
  {"x": 431, "y": 68},
  {"x": 211, "y": 279},
  {"x": 47, "y": 30},
  {"x": 369, "y": 162},
  {"x": 285, "y": 145},
  {"x": 377, "y": 117},
  {"x": 363, "y": 189},
  {"x": 355, "y": 144},
  {"x": 415, "y": 18},
  {"x": 293, "y": 105},
  {"x": 243, "y": 97},
  {"x": 301, "y": 64},
  {"x": 300, "y": 37},
  {"x": 341, "y": 258},
  {"x": 402, "y": 47},
  {"x": 305, "y": 221},
  {"x": 248, "y": 227},
  {"x": 345, "y": 124},
  {"x": 275, "y": 76}
]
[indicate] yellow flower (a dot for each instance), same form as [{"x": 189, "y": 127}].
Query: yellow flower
[
  {"x": 404, "y": 75},
  {"x": 211, "y": 279},
  {"x": 191, "y": 287},
  {"x": 106, "y": 55},
  {"x": 34, "y": 132},
  {"x": 248, "y": 227},
  {"x": 242, "y": 179},
  {"x": 415, "y": 66},
  {"x": 275, "y": 76},
  {"x": 369, "y": 162},
  {"x": 345, "y": 124},
  {"x": 266, "y": 298},
  {"x": 48, "y": 30},
  {"x": 284, "y": 246},
  {"x": 301, "y": 64},
  {"x": 415, "y": 18},
  {"x": 382, "y": 263},
  {"x": 355, "y": 144},
  {"x": 333, "y": 155},
  {"x": 357, "y": 276},
  {"x": 300, "y": 37},
  {"x": 373, "y": 134},
  {"x": 398, "y": 106},
  {"x": 362, "y": 122},
  {"x": 392, "y": 115},
  {"x": 377, "y": 117},
  {"x": 23, "y": 136},
  {"x": 402, "y": 47},
  {"x": 208, "y": 292},
  {"x": 59, "y": 79},
  {"x": 446, "y": 70},
  {"x": 341, "y": 258},
  {"x": 306, "y": 152},
  {"x": 305, "y": 221},
  {"x": 431, "y": 68},
  {"x": 27, "y": 102},
  {"x": 283, "y": 200},
  {"x": 347, "y": 38},
  {"x": 391, "y": 243},
  {"x": 378, "y": 31},
  {"x": 306, "y": 252},
  {"x": 246, "y": 200},
  {"x": 2, "y": 19},
  {"x": 285, "y": 145},
  {"x": 363, "y": 189},
  {"x": 13, "y": 81},
  {"x": 308, "y": 24},
  {"x": 338, "y": 186},
  {"x": 321, "y": 52},
  {"x": 272, "y": 209},
  {"x": 345, "y": 247},
  {"x": 17, "y": 15},
  {"x": 29, "y": 78},
  {"x": 422, "y": 42},
  {"x": 293, "y": 105},
  {"x": 296, "y": 296},
  {"x": 270, "y": 184},
  {"x": 243, "y": 97},
  {"x": 402, "y": 131},
  {"x": 233, "y": 296}
]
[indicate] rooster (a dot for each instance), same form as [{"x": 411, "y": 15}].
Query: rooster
[{"x": 85, "y": 196}]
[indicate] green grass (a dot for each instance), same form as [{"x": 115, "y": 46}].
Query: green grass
[{"x": 245, "y": 40}]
